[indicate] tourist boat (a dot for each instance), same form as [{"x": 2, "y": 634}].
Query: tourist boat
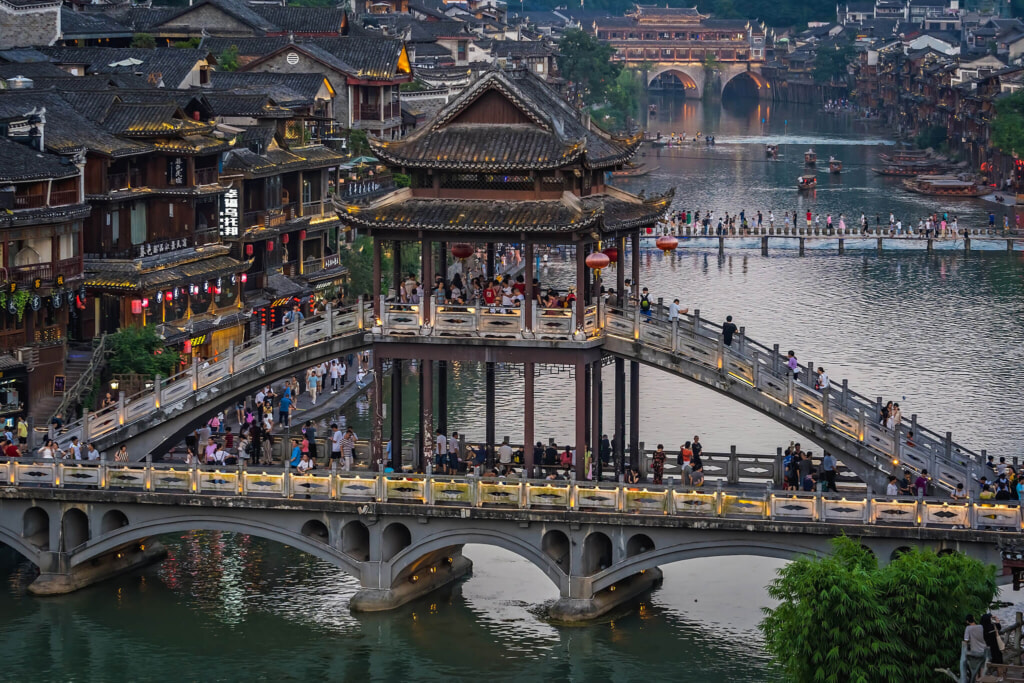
[
  {"x": 806, "y": 183},
  {"x": 771, "y": 151},
  {"x": 910, "y": 169},
  {"x": 633, "y": 171},
  {"x": 904, "y": 155},
  {"x": 945, "y": 186},
  {"x": 810, "y": 158},
  {"x": 835, "y": 165}
]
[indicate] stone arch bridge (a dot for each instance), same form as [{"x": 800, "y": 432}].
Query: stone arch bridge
[
  {"x": 694, "y": 76},
  {"x": 402, "y": 536}
]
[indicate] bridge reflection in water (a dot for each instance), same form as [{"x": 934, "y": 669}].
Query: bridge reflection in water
[{"x": 402, "y": 535}]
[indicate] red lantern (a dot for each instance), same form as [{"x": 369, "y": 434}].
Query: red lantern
[
  {"x": 244, "y": 277},
  {"x": 248, "y": 250},
  {"x": 612, "y": 253},
  {"x": 598, "y": 260},
  {"x": 145, "y": 303},
  {"x": 302, "y": 234},
  {"x": 284, "y": 238},
  {"x": 462, "y": 250},
  {"x": 169, "y": 296},
  {"x": 666, "y": 243},
  {"x": 136, "y": 307},
  {"x": 270, "y": 246}
]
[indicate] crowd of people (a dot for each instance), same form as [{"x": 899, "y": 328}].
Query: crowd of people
[{"x": 712, "y": 223}]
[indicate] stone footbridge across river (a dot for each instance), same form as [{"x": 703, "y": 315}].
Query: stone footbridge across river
[
  {"x": 402, "y": 536},
  {"x": 839, "y": 420}
]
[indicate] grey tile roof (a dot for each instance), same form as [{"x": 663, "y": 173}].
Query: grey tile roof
[
  {"x": 20, "y": 162},
  {"x": 22, "y": 55},
  {"x": 90, "y": 24},
  {"x": 32, "y": 70},
  {"x": 363, "y": 56},
  {"x": 297, "y": 90},
  {"x": 254, "y": 105},
  {"x": 169, "y": 64},
  {"x": 302, "y": 19},
  {"x": 247, "y": 47}
]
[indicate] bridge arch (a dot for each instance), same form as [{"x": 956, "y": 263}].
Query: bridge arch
[
  {"x": 74, "y": 530},
  {"x": 748, "y": 83},
  {"x": 22, "y": 546},
  {"x": 142, "y": 530},
  {"x": 447, "y": 539},
  {"x": 675, "y": 80},
  {"x": 690, "y": 551},
  {"x": 691, "y": 77}
]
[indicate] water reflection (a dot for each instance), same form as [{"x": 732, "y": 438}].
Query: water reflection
[{"x": 230, "y": 607}]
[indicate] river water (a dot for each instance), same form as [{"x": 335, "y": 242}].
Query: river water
[{"x": 941, "y": 333}]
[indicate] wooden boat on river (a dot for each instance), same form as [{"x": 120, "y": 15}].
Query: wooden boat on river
[
  {"x": 835, "y": 165},
  {"x": 810, "y": 158},
  {"x": 945, "y": 186},
  {"x": 633, "y": 171},
  {"x": 806, "y": 183},
  {"x": 771, "y": 151},
  {"x": 910, "y": 169}
]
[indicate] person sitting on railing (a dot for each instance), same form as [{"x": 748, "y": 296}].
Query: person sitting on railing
[
  {"x": 10, "y": 450},
  {"x": 892, "y": 488},
  {"x": 1002, "y": 487},
  {"x": 633, "y": 475},
  {"x": 986, "y": 493},
  {"x": 210, "y": 450},
  {"x": 612, "y": 300},
  {"x": 810, "y": 481},
  {"x": 959, "y": 493},
  {"x": 304, "y": 465}
]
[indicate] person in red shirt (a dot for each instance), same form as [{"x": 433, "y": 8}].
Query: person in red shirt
[
  {"x": 808, "y": 219},
  {"x": 489, "y": 295},
  {"x": 11, "y": 451},
  {"x": 520, "y": 286}
]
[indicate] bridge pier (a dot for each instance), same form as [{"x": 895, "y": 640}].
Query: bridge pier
[
  {"x": 842, "y": 245},
  {"x": 58, "y": 577},
  {"x": 582, "y": 606},
  {"x": 435, "y": 570},
  {"x": 802, "y": 241},
  {"x": 764, "y": 246}
]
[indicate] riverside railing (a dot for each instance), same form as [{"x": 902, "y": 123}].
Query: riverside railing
[
  {"x": 845, "y": 411},
  {"x": 473, "y": 492},
  {"x": 317, "y": 329}
]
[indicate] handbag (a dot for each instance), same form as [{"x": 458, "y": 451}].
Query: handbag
[{"x": 999, "y": 641}]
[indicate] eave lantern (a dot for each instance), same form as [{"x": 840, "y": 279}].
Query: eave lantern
[
  {"x": 462, "y": 250},
  {"x": 598, "y": 260},
  {"x": 666, "y": 243},
  {"x": 612, "y": 253}
]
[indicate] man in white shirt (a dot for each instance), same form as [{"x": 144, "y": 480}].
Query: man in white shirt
[
  {"x": 342, "y": 372},
  {"x": 674, "y": 311},
  {"x": 91, "y": 453},
  {"x": 335, "y": 376},
  {"x": 440, "y": 453},
  {"x": 505, "y": 454},
  {"x": 75, "y": 449},
  {"x": 453, "y": 453},
  {"x": 336, "y": 437},
  {"x": 260, "y": 397}
]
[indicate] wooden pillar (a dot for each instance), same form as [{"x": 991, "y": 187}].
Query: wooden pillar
[
  {"x": 528, "y": 408},
  {"x": 634, "y": 367},
  {"x": 427, "y": 264},
  {"x": 588, "y": 398},
  {"x": 634, "y": 413},
  {"x": 442, "y": 396},
  {"x": 489, "y": 412},
  {"x": 581, "y": 281},
  {"x": 442, "y": 260},
  {"x": 421, "y": 436},
  {"x": 595, "y": 414},
  {"x": 581, "y": 413},
  {"x": 396, "y": 268},
  {"x": 396, "y": 413},
  {"x": 530, "y": 293},
  {"x": 427, "y": 411},
  {"x": 490, "y": 261},
  {"x": 376, "y": 278},
  {"x": 635, "y": 237},
  {"x": 620, "y": 270},
  {"x": 619, "y": 447},
  {"x": 377, "y": 440}
]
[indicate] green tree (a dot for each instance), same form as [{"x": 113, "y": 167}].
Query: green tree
[
  {"x": 143, "y": 40},
  {"x": 587, "y": 62},
  {"x": 185, "y": 44},
  {"x": 358, "y": 258},
  {"x": 358, "y": 143},
  {"x": 841, "y": 619},
  {"x": 1008, "y": 123},
  {"x": 623, "y": 101},
  {"x": 228, "y": 59},
  {"x": 830, "y": 63},
  {"x": 140, "y": 350}
]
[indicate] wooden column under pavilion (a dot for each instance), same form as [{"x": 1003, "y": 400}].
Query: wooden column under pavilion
[{"x": 506, "y": 161}]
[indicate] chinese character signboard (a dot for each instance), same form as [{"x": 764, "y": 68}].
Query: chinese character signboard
[
  {"x": 229, "y": 213},
  {"x": 176, "y": 171}
]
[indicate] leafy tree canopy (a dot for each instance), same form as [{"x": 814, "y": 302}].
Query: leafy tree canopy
[
  {"x": 1008, "y": 123},
  {"x": 228, "y": 59},
  {"x": 830, "y": 63},
  {"x": 140, "y": 350},
  {"x": 587, "y": 62},
  {"x": 842, "y": 619}
]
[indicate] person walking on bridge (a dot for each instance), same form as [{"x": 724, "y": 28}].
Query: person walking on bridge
[
  {"x": 728, "y": 330},
  {"x": 348, "y": 447},
  {"x": 658, "y": 464},
  {"x": 794, "y": 365},
  {"x": 828, "y": 472}
]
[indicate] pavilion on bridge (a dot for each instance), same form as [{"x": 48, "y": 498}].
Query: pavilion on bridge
[{"x": 508, "y": 161}]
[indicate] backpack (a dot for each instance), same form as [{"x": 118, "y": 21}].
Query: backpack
[{"x": 645, "y": 303}]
